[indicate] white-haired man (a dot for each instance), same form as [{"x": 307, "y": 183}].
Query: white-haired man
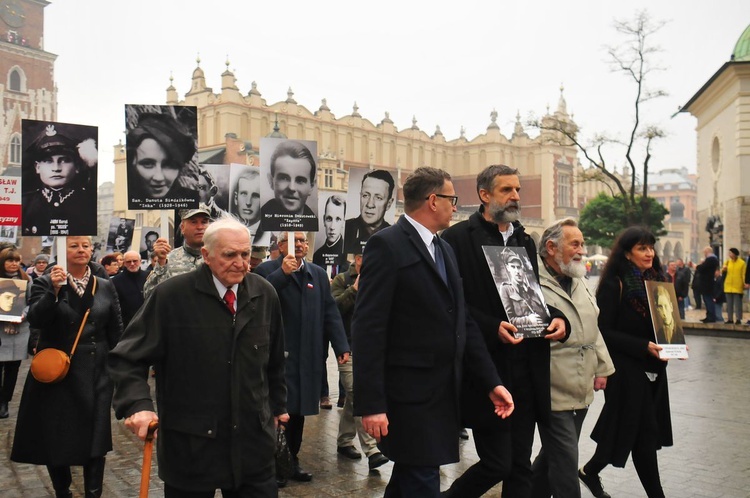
[
  {"x": 216, "y": 338},
  {"x": 578, "y": 367}
]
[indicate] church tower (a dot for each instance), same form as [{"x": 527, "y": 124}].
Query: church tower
[{"x": 27, "y": 86}]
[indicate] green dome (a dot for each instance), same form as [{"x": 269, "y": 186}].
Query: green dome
[{"x": 742, "y": 48}]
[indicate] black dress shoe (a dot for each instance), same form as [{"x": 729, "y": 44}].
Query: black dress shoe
[
  {"x": 4, "y": 410},
  {"x": 463, "y": 434},
  {"x": 301, "y": 475},
  {"x": 281, "y": 482},
  {"x": 376, "y": 460},
  {"x": 349, "y": 452}
]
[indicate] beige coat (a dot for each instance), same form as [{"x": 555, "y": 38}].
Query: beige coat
[{"x": 575, "y": 363}]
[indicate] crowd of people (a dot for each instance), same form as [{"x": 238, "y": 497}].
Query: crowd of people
[{"x": 239, "y": 347}]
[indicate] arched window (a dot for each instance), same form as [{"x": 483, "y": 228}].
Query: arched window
[
  {"x": 15, "y": 150},
  {"x": 14, "y": 81}
]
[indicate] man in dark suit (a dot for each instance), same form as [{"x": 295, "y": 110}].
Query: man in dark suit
[
  {"x": 412, "y": 338},
  {"x": 311, "y": 321},
  {"x": 504, "y": 447}
]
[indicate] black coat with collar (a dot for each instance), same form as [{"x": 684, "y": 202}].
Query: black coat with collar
[
  {"x": 220, "y": 379},
  {"x": 412, "y": 339},
  {"x": 129, "y": 286},
  {"x": 484, "y": 303},
  {"x": 311, "y": 321},
  {"x": 68, "y": 423}
]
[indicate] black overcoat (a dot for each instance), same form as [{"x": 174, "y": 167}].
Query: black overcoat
[
  {"x": 627, "y": 334},
  {"x": 219, "y": 381},
  {"x": 68, "y": 423},
  {"x": 311, "y": 320},
  {"x": 486, "y": 307},
  {"x": 412, "y": 339}
]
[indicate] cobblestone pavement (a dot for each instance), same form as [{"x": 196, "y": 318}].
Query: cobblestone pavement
[{"x": 711, "y": 456}]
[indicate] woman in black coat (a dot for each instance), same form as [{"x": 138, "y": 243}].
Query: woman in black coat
[
  {"x": 68, "y": 423},
  {"x": 635, "y": 418}
]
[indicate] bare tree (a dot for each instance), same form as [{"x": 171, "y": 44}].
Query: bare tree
[{"x": 635, "y": 59}]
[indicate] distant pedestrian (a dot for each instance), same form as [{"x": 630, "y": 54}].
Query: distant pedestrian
[{"x": 734, "y": 271}]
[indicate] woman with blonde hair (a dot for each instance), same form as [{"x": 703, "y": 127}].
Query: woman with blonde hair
[{"x": 68, "y": 423}]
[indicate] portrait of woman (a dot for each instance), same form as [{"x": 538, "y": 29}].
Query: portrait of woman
[
  {"x": 68, "y": 423},
  {"x": 635, "y": 420},
  {"x": 14, "y": 332},
  {"x": 59, "y": 179},
  {"x": 159, "y": 148}
]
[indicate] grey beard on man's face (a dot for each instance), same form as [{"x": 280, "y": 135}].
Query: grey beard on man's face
[
  {"x": 572, "y": 269},
  {"x": 508, "y": 213}
]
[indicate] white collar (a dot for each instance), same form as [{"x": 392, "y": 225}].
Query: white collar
[
  {"x": 424, "y": 233},
  {"x": 221, "y": 289}
]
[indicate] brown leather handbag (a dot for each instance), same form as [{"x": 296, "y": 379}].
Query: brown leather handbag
[{"x": 51, "y": 365}]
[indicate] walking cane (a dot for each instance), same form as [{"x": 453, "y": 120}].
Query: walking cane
[{"x": 147, "y": 450}]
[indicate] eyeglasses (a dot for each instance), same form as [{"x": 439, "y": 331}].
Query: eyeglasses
[
  {"x": 133, "y": 262},
  {"x": 453, "y": 198}
]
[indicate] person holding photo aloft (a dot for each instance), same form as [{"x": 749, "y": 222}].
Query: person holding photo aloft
[
  {"x": 158, "y": 150},
  {"x": 68, "y": 423}
]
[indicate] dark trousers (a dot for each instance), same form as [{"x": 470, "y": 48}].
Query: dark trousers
[
  {"x": 643, "y": 450},
  {"x": 681, "y": 307},
  {"x": 556, "y": 466},
  {"x": 93, "y": 478},
  {"x": 8, "y": 377},
  {"x": 260, "y": 489},
  {"x": 412, "y": 481},
  {"x": 708, "y": 300},
  {"x": 294, "y": 429},
  {"x": 493, "y": 445},
  {"x": 697, "y": 298},
  {"x": 523, "y": 422}
]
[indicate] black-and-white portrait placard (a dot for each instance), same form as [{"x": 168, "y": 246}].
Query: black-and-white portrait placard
[
  {"x": 213, "y": 188},
  {"x": 370, "y": 206},
  {"x": 288, "y": 187},
  {"x": 329, "y": 241},
  {"x": 244, "y": 195},
  {"x": 519, "y": 289},
  {"x": 59, "y": 175},
  {"x": 120, "y": 235},
  {"x": 9, "y": 234},
  {"x": 162, "y": 168}
]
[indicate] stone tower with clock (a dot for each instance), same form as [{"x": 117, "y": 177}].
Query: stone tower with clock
[{"x": 27, "y": 85}]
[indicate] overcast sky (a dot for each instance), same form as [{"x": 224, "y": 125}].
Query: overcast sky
[{"x": 447, "y": 63}]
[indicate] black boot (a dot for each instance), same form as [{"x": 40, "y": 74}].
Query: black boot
[
  {"x": 4, "y": 409},
  {"x": 61, "y": 479},
  {"x": 93, "y": 477}
]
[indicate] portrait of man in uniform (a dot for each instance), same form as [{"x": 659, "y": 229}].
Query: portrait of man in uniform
[
  {"x": 371, "y": 201},
  {"x": 59, "y": 175}
]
